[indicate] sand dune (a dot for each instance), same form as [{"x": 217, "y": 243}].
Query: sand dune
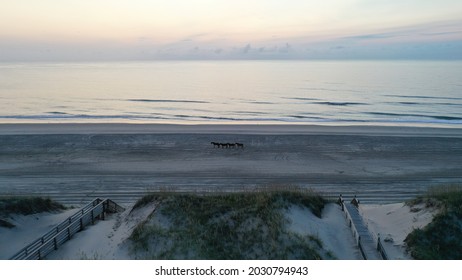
[{"x": 108, "y": 238}]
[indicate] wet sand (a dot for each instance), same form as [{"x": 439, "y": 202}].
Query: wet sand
[{"x": 76, "y": 162}]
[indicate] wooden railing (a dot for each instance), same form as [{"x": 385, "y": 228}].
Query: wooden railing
[
  {"x": 354, "y": 230},
  {"x": 381, "y": 249},
  {"x": 63, "y": 232},
  {"x": 112, "y": 207},
  {"x": 356, "y": 235}
]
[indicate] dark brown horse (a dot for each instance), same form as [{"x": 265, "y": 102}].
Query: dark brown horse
[{"x": 227, "y": 145}]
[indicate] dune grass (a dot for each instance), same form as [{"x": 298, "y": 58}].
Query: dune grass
[
  {"x": 442, "y": 238},
  {"x": 226, "y": 226},
  {"x": 25, "y": 206},
  {"x": 6, "y": 224},
  {"x": 28, "y": 205}
]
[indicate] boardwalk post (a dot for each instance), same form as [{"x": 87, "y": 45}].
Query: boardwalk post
[{"x": 340, "y": 202}]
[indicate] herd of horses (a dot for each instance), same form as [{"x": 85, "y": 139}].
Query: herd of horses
[{"x": 227, "y": 145}]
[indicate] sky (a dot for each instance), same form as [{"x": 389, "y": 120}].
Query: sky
[{"x": 87, "y": 30}]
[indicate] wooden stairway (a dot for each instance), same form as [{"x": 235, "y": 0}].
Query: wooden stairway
[
  {"x": 365, "y": 242},
  {"x": 63, "y": 232}
]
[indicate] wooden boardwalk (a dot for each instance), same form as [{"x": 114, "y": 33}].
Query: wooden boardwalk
[
  {"x": 62, "y": 233},
  {"x": 365, "y": 242}
]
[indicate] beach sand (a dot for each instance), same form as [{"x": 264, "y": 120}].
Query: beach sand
[{"x": 74, "y": 163}]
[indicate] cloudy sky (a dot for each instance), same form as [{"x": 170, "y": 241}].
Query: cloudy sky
[{"x": 62, "y": 30}]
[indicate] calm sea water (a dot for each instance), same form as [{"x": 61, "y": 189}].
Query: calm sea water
[{"x": 312, "y": 92}]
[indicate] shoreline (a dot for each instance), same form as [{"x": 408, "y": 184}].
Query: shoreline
[{"x": 238, "y": 129}]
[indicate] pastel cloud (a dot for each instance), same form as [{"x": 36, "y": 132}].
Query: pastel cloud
[{"x": 222, "y": 29}]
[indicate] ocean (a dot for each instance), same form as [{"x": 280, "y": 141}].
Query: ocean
[{"x": 399, "y": 93}]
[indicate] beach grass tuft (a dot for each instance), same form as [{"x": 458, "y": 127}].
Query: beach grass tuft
[
  {"x": 28, "y": 205},
  {"x": 442, "y": 238},
  {"x": 25, "y": 206},
  {"x": 6, "y": 224},
  {"x": 145, "y": 200},
  {"x": 247, "y": 225},
  {"x": 439, "y": 196}
]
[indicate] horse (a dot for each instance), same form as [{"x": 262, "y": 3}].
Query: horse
[
  {"x": 227, "y": 145},
  {"x": 240, "y": 145}
]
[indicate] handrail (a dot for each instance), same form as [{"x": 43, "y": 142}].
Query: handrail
[
  {"x": 380, "y": 248},
  {"x": 361, "y": 249},
  {"x": 34, "y": 244},
  {"x": 351, "y": 223},
  {"x": 112, "y": 207},
  {"x": 354, "y": 230},
  {"x": 50, "y": 241}
]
